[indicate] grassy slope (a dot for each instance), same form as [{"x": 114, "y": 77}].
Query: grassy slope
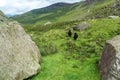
[
  {"x": 66, "y": 59},
  {"x": 72, "y": 12},
  {"x": 73, "y": 60},
  {"x": 42, "y": 16}
]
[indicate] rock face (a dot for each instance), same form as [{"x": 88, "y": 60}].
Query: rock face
[
  {"x": 109, "y": 64},
  {"x": 81, "y": 27},
  {"x": 19, "y": 56}
]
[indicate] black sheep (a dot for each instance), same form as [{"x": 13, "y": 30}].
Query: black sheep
[
  {"x": 75, "y": 36},
  {"x": 1, "y": 20},
  {"x": 69, "y": 33}
]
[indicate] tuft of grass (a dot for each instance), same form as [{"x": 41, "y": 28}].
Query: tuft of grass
[{"x": 47, "y": 49}]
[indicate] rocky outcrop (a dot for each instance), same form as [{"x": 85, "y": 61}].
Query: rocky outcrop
[
  {"x": 19, "y": 56},
  {"x": 110, "y": 10},
  {"x": 3, "y": 18},
  {"x": 81, "y": 26},
  {"x": 109, "y": 64}
]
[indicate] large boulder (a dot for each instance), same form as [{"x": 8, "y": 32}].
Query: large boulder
[
  {"x": 109, "y": 64},
  {"x": 81, "y": 26},
  {"x": 19, "y": 56}
]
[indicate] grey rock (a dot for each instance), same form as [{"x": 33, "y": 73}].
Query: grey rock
[
  {"x": 3, "y": 18},
  {"x": 19, "y": 55},
  {"x": 48, "y": 23},
  {"x": 113, "y": 17},
  {"x": 109, "y": 64},
  {"x": 80, "y": 27}
]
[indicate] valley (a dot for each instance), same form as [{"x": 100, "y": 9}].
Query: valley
[{"x": 62, "y": 57}]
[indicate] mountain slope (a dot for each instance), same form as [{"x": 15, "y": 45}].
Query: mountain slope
[
  {"x": 46, "y": 13},
  {"x": 66, "y": 12},
  {"x": 64, "y": 58},
  {"x": 61, "y": 12}
]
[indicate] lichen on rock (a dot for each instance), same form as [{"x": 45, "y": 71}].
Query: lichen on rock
[
  {"x": 19, "y": 55},
  {"x": 109, "y": 64}
]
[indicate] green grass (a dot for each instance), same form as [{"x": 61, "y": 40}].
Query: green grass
[
  {"x": 72, "y": 60},
  {"x": 62, "y": 57},
  {"x": 56, "y": 67}
]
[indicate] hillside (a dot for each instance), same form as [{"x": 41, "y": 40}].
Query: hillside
[
  {"x": 43, "y": 14},
  {"x": 51, "y": 14},
  {"x": 62, "y": 57},
  {"x": 66, "y": 59},
  {"x": 69, "y": 12}
]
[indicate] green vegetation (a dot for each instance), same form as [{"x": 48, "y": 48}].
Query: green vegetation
[
  {"x": 106, "y": 9},
  {"x": 62, "y": 57},
  {"x": 69, "y": 12},
  {"x": 69, "y": 59}
]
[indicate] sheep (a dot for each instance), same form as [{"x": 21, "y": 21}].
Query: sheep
[
  {"x": 75, "y": 36},
  {"x": 69, "y": 33}
]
